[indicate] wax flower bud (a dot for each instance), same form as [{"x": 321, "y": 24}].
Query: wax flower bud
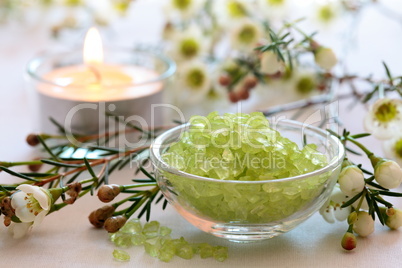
[
  {"x": 270, "y": 64},
  {"x": 98, "y": 217},
  {"x": 32, "y": 139},
  {"x": 388, "y": 174},
  {"x": 113, "y": 224},
  {"x": 364, "y": 224},
  {"x": 351, "y": 180},
  {"x": 224, "y": 80},
  {"x": 349, "y": 241},
  {"x": 325, "y": 58},
  {"x": 107, "y": 193},
  {"x": 394, "y": 220}
]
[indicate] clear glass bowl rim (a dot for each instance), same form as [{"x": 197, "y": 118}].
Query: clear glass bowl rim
[
  {"x": 37, "y": 61},
  {"x": 337, "y": 159}
]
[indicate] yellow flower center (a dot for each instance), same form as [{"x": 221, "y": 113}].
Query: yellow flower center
[
  {"x": 247, "y": 34},
  {"x": 398, "y": 148},
  {"x": 305, "y": 84},
  {"x": 276, "y": 2},
  {"x": 326, "y": 13},
  {"x": 33, "y": 204},
  {"x": 195, "y": 78},
  {"x": 386, "y": 112},
  {"x": 236, "y": 9},
  {"x": 181, "y": 4},
  {"x": 189, "y": 48}
]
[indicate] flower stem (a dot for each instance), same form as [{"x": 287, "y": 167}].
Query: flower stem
[{"x": 361, "y": 146}]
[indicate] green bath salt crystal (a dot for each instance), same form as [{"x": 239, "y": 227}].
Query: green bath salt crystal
[
  {"x": 121, "y": 255},
  {"x": 157, "y": 243},
  {"x": 242, "y": 147}
]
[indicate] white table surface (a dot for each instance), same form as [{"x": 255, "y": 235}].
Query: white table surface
[{"x": 66, "y": 239}]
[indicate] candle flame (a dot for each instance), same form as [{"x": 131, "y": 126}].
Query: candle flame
[{"x": 93, "y": 50}]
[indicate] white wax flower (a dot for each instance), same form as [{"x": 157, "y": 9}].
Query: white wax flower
[
  {"x": 184, "y": 9},
  {"x": 393, "y": 149},
  {"x": 245, "y": 35},
  {"x": 274, "y": 9},
  {"x": 31, "y": 204},
  {"x": 364, "y": 224},
  {"x": 270, "y": 64},
  {"x": 228, "y": 12},
  {"x": 195, "y": 79},
  {"x": 384, "y": 119},
  {"x": 332, "y": 210},
  {"x": 351, "y": 180},
  {"x": 388, "y": 174},
  {"x": 394, "y": 221},
  {"x": 187, "y": 45},
  {"x": 325, "y": 58}
]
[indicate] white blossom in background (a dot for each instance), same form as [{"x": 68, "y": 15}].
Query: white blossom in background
[
  {"x": 327, "y": 12},
  {"x": 325, "y": 58},
  {"x": 384, "y": 119},
  {"x": 305, "y": 82},
  {"x": 245, "y": 35},
  {"x": 388, "y": 174},
  {"x": 188, "y": 45},
  {"x": 228, "y": 12},
  {"x": 31, "y": 205},
  {"x": 274, "y": 9},
  {"x": 185, "y": 9},
  {"x": 270, "y": 63},
  {"x": 364, "y": 225},
  {"x": 332, "y": 210},
  {"x": 194, "y": 81},
  {"x": 351, "y": 180},
  {"x": 393, "y": 149}
]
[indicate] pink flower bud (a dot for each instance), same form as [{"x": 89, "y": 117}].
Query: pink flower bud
[{"x": 349, "y": 241}]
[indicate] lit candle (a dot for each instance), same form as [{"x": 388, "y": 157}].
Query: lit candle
[{"x": 129, "y": 82}]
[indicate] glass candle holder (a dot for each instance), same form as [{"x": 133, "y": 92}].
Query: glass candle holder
[{"x": 129, "y": 83}]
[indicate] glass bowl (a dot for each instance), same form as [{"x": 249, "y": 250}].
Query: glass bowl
[{"x": 245, "y": 211}]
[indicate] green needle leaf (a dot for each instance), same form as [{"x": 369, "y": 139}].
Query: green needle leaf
[
  {"x": 16, "y": 174},
  {"x": 59, "y": 164},
  {"x": 90, "y": 170},
  {"x": 352, "y": 200}
]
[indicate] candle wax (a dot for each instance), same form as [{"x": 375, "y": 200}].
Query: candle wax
[{"x": 100, "y": 82}]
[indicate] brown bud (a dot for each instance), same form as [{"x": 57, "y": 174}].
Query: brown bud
[
  {"x": 113, "y": 224},
  {"x": 224, "y": 80},
  {"x": 250, "y": 82},
  {"x": 314, "y": 45},
  {"x": 107, "y": 193},
  {"x": 35, "y": 167},
  {"x": 244, "y": 94},
  {"x": 6, "y": 207},
  {"x": 98, "y": 217},
  {"x": 32, "y": 139},
  {"x": 233, "y": 96},
  {"x": 75, "y": 189}
]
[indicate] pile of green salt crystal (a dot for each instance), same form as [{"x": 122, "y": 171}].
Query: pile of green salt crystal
[
  {"x": 158, "y": 243},
  {"x": 242, "y": 147}
]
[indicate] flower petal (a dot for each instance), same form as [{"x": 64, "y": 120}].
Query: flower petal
[
  {"x": 39, "y": 218},
  {"x": 24, "y": 215},
  {"x": 342, "y": 214},
  {"x": 19, "y": 230},
  {"x": 328, "y": 214}
]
